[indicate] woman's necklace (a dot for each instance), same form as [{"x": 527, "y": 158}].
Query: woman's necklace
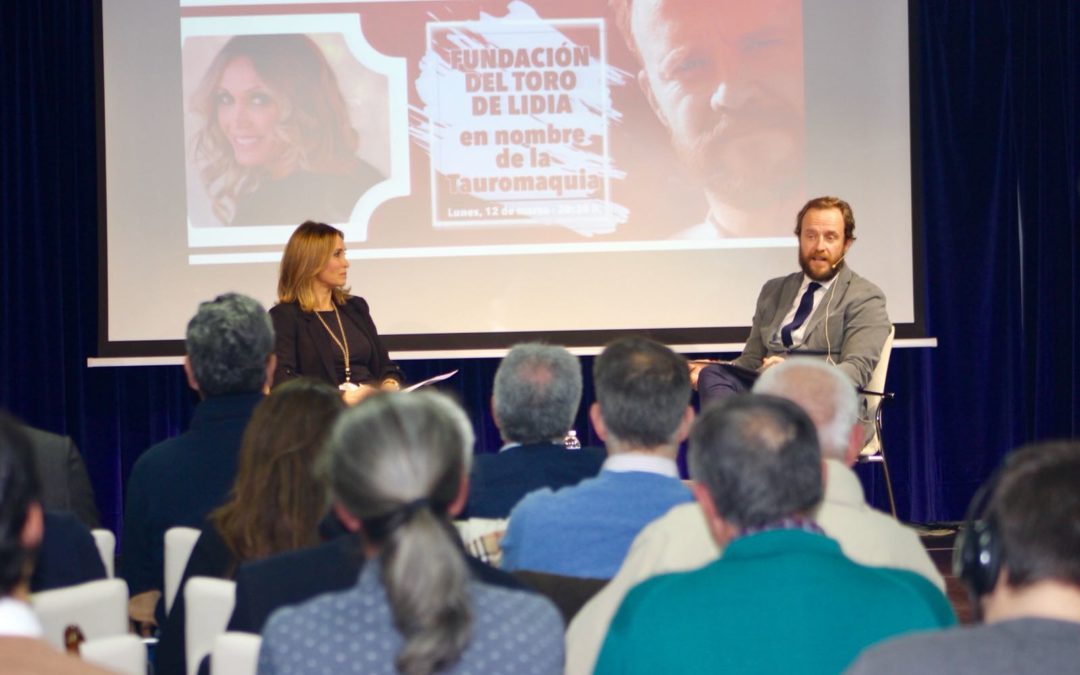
[{"x": 343, "y": 345}]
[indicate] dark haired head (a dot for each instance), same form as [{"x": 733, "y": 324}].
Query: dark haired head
[
  {"x": 1035, "y": 510},
  {"x": 20, "y": 489},
  {"x": 643, "y": 390},
  {"x": 758, "y": 457}
]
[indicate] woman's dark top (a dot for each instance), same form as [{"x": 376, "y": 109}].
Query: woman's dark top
[
  {"x": 304, "y": 347},
  {"x": 303, "y": 195}
]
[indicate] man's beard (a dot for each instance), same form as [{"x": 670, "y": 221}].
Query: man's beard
[
  {"x": 833, "y": 269},
  {"x": 739, "y": 176}
]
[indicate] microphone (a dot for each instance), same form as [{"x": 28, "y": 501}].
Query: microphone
[{"x": 837, "y": 263}]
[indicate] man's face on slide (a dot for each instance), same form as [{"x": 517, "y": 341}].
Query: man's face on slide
[{"x": 726, "y": 78}]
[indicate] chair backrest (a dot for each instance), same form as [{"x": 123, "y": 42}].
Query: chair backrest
[
  {"x": 98, "y": 608},
  {"x": 178, "y": 544},
  {"x": 568, "y": 593},
  {"x": 870, "y": 402},
  {"x": 125, "y": 654},
  {"x": 105, "y": 541},
  {"x": 235, "y": 654},
  {"x": 209, "y": 604}
]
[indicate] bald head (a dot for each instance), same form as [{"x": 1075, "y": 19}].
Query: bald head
[{"x": 825, "y": 393}]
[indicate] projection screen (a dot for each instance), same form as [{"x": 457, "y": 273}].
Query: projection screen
[{"x": 568, "y": 170}]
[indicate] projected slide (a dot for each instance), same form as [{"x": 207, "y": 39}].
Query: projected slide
[
  {"x": 518, "y": 116},
  {"x": 501, "y": 167}
]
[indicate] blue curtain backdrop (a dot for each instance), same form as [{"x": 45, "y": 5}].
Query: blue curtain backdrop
[{"x": 999, "y": 99}]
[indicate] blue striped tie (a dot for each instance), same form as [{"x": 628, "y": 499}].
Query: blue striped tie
[{"x": 801, "y": 314}]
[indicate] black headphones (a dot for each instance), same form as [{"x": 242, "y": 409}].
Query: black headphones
[{"x": 977, "y": 554}]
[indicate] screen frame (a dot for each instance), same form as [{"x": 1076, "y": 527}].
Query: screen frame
[{"x": 431, "y": 345}]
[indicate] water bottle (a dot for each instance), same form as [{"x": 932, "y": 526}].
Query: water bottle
[{"x": 571, "y": 441}]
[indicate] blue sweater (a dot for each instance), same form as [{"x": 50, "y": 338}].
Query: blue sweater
[{"x": 586, "y": 530}]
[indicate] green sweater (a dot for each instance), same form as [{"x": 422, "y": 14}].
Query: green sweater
[{"x": 782, "y": 601}]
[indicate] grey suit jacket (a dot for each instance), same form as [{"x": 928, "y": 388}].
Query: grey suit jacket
[
  {"x": 65, "y": 484},
  {"x": 857, "y": 328}
]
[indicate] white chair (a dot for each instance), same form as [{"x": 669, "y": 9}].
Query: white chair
[
  {"x": 178, "y": 544},
  {"x": 98, "y": 608},
  {"x": 125, "y": 654},
  {"x": 870, "y": 399},
  {"x": 208, "y": 604},
  {"x": 105, "y": 541},
  {"x": 235, "y": 653}
]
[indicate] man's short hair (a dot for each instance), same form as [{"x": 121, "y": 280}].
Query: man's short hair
[
  {"x": 758, "y": 457},
  {"x": 829, "y": 203},
  {"x": 537, "y": 392},
  {"x": 228, "y": 342},
  {"x": 643, "y": 389},
  {"x": 1035, "y": 508},
  {"x": 824, "y": 392},
  {"x": 19, "y": 488}
]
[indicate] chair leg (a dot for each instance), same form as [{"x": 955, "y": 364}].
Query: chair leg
[
  {"x": 888, "y": 484},
  {"x": 884, "y": 462}
]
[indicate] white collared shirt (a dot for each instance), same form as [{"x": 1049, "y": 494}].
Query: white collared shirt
[
  {"x": 18, "y": 620},
  {"x": 797, "y": 335},
  {"x": 641, "y": 461}
]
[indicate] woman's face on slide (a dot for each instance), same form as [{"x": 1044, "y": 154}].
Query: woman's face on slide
[{"x": 248, "y": 112}]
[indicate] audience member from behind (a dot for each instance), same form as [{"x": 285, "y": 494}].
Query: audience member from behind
[
  {"x": 536, "y": 398},
  {"x": 1020, "y": 559},
  {"x": 680, "y": 540},
  {"x": 642, "y": 412},
  {"x": 397, "y": 467},
  {"x": 275, "y": 504},
  {"x": 229, "y": 362},
  {"x": 65, "y": 485},
  {"x": 290, "y": 578},
  {"x": 22, "y": 651},
  {"x": 758, "y": 473}
]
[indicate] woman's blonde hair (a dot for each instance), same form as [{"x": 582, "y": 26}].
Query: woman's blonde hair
[
  {"x": 396, "y": 463},
  {"x": 315, "y": 128},
  {"x": 306, "y": 254}
]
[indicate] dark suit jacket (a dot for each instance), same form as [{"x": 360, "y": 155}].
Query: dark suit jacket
[
  {"x": 178, "y": 482},
  {"x": 303, "y": 347},
  {"x": 65, "y": 485},
  {"x": 497, "y": 482},
  {"x": 858, "y": 324},
  {"x": 68, "y": 554},
  {"x": 291, "y": 578}
]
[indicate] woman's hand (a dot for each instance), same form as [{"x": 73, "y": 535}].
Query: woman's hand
[
  {"x": 354, "y": 396},
  {"x": 390, "y": 384}
]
